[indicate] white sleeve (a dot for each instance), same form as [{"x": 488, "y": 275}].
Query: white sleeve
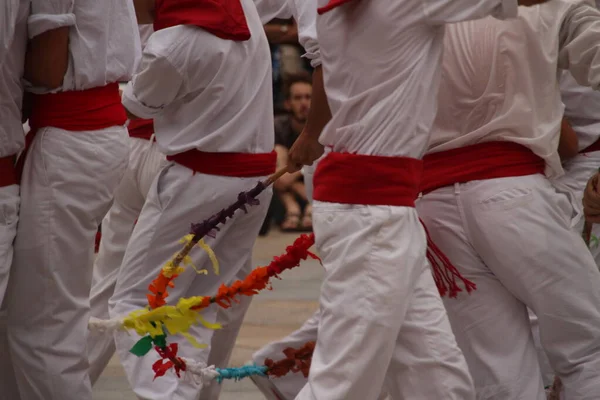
[
  {"x": 157, "y": 84},
  {"x": 450, "y": 11},
  {"x": 50, "y": 14},
  {"x": 305, "y": 14},
  {"x": 268, "y": 10},
  {"x": 8, "y": 16},
  {"x": 579, "y": 50}
]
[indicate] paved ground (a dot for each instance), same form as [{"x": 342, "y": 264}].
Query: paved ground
[{"x": 273, "y": 314}]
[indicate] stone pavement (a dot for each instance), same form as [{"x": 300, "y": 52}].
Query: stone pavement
[{"x": 272, "y": 315}]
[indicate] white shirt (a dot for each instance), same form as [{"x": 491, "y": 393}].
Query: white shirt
[
  {"x": 381, "y": 64},
  {"x": 206, "y": 93},
  {"x": 104, "y": 42},
  {"x": 500, "y": 78},
  {"x": 582, "y": 109},
  {"x": 305, "y": 14},
  {"x": 268, "y": 10},
  {"x": 145, "y": 32},
  {"x": 13, "y": 44}
]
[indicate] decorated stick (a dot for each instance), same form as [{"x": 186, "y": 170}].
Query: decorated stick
[
  {"x": 184, "y": 314},
  {"x": 208, "y": 226},
  {"x": 296, "y": 360}
]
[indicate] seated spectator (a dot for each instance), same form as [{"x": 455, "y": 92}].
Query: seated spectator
[
  {"x": 290, "y": 188},
  {"x": 285, "y": 55}
]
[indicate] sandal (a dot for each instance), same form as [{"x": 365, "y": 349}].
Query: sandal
[
  {"x": 290, "y": 223},
  {"x": 306, "y": 225}
]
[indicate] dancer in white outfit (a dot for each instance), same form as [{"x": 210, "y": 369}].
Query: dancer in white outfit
[
  {"x": 13, "y": 43},
  {"x": 205, "y": 79},
  {"x": 78, "y": 52},
  {"x": 490, "y": 208}
]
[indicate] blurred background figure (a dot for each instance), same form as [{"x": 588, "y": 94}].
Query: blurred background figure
[{"x": 290, "y": 207}]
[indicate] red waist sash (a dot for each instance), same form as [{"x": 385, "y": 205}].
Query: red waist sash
[
  {"x": 240, "y": 165},
  {"x": 8, "y": 175},
  {"x": 331, "y": 5},
  {"x": 368, "y": 180},
  {"x": 479, "y": 162},
  {"x": 141, "y": 128},
  {"x": 375, "y": 180},
  {"x": 592, "y": 147},
  {"x": 78, "y": 110}
]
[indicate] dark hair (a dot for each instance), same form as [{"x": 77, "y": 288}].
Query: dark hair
[{"x": 303, "y": 77}]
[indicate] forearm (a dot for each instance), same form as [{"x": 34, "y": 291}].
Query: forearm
[
  {"x": 47, "y": 58},
  {"x": 319, "y": 114},
  {"x": 277, "y": 35},
  {"x": 568, "y": 145}
]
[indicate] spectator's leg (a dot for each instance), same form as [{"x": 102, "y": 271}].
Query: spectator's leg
[
  {"x": 292, "y": 211},
  {"x": 299, "y": 189}
]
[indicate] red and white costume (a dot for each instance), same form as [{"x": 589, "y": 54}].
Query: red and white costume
[
  {"x": 382, "y": 320},
  {"x": 145, "y": 162},
  {"x": 582, "y": 109},
  {"x": 13, "y": 43},
  {"x": 491, "y": 210},
  {"x": 208, "y": 89},
  {"x": 72, "y": 168}
]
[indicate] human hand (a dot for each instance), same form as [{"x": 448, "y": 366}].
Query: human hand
[
  {"x": 305, "y": 151},
  {"x": 591, "y": 200}
]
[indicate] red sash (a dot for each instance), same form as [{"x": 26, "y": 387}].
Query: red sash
[
  {"x": 331, "y": 5},
  {"x": 223, "y": 18},
  {"x": 141, "y": 128},
  {"x": 239, "y": 165},
  {"x": 369, "y": 180},
  {"x": 479, "y": 162},
  {"x": 8, "y": 175},
  {"x": 82, "y": 110},
  {"x": 375, "y": 180},
  {"x": 592, "y": 147}
]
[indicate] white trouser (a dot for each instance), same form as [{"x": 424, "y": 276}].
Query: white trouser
[
  {"x": 513, "y": 238},
  {"x": 309, "y": 172},
  {"x": 179, "y": 197},
  {"x": 578, "y": 171},
  {"x": 382, "y": 318},
  {"x": 145, "y": 161},
  {"x": 67, "y": 187},
  {"x": 9, "y": 214},
  {"x": 545, "y": 368}
]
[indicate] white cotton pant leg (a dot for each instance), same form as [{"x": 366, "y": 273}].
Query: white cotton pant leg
[
  {"x": 67, "y": 187},
  {"x": 513, "y": 238},
  {"x": 145, "y": 161},
  {"x": 578, "y": 170},
  {"x": 309, "y": 172},
  {"x": 545, "y": 368},
  {"x": 179, "y": 197},
  {"x": 382, "y": 318},
  {"x": 223, "y": 340},
  {"x": 9, "y": 214}
]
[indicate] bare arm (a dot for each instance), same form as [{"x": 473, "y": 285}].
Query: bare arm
[
  {"x": 286, "y": 181},
  {"x": 307, "y": 148},
  {"x": 277, "y": 35},
  {"x": 568, "y": 145},
  {"x": 319, "y": 114},
  {"x": 47, "y": 58}
]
